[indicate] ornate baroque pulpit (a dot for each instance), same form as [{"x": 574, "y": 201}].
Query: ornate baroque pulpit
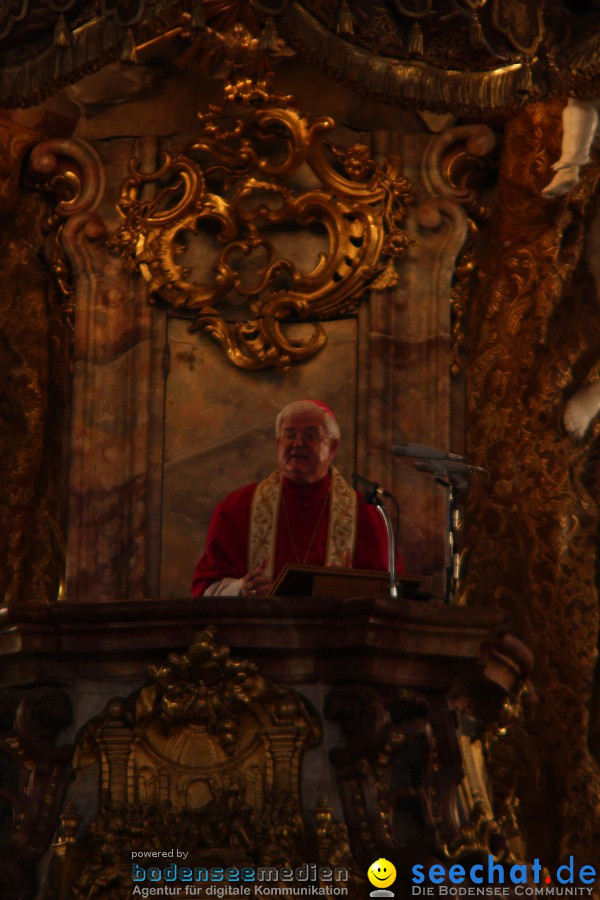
[{"x": 279, "y": 732}]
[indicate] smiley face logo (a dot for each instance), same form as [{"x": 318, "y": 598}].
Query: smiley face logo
[{"x": 381, "y": 874}]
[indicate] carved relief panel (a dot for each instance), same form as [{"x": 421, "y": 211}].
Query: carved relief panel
[{"x": 206, "y": 757}]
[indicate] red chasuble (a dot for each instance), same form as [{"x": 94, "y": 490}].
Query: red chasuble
[{"x": 301, "y": 533}]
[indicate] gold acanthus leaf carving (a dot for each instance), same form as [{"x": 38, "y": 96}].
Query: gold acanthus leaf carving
[{"x": 259, "y": 171}]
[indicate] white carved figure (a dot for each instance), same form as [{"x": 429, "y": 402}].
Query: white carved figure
[
  {"x": 580, "y": 123},
  {"x": 584, "y": 405},
  {"x": 581, "y": 409}
]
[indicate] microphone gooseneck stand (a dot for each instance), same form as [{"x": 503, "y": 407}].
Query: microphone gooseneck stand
[
  {"x": 449, "y": 470},
  {"x": 450, "y": 473},
  {"x": 375, "y": 494},
  {"x": 394, "y": 594},
  {"x": 455, "y": 485}
]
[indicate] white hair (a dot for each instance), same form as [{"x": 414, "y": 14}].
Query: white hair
[{"x": 332, "y": 429}]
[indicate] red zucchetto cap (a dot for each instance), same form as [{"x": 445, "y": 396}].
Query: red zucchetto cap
[{"x": 320, "y": 404}]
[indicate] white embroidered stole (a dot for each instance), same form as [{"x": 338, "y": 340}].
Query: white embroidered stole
[{"x": 264, "y": 518}]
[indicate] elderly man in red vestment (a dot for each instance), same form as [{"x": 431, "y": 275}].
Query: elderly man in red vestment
[{"x": 304, "y": 512}]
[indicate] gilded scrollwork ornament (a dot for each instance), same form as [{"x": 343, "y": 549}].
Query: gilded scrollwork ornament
[
  {"x": 459, "y": 171},
  {"x": 71, "y": 173},
  {"x": 259, "y": 169}
]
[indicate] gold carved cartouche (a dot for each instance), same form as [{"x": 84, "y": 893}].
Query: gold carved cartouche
[{"x": 257, "y": 174}]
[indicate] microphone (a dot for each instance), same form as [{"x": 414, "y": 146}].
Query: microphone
[
  {"x": 450, "y": 467},
  {"x": 420, "y": 451},
  {"x": 373, "y": 489}
]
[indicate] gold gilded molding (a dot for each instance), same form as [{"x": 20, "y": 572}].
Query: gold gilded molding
[
  {"x": 488, "y": 807},
  {"x": 480, "y": 57},
  {"x": 494, "y": 65},
  {"x": 480, "y": 827},
  {"x": 258, "y": 169}
]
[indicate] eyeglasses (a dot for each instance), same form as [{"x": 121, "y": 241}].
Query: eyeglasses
[{"x": 309, "y": 436}]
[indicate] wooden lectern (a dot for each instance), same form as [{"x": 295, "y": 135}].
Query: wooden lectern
[{"x": 297, "y": 580}]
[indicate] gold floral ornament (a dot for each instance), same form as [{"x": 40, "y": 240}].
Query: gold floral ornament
[{"x": 259, "y": 175}]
